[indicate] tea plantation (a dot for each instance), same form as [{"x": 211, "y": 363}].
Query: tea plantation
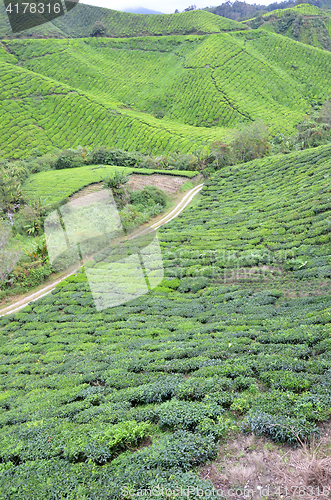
[
  {"x": 184, "y": 92},
  {"x": 79, "y": 22},
  {"x": 305, "y": 23},
  {"x": 97, "y": 405}
]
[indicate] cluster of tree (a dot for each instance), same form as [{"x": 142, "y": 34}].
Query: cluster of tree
[
  {"x": 239, "y": 11},
  {"x": 98, "y": 29},
  {"x": 313, "y": 131}
]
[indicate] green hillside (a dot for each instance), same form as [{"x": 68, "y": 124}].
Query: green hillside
[
  {"x": 57, "y": 185},
  {"x": 138, "y": 395},
  {"x": 80, "y": 20},
  {"x": 304, "y": 23},
  {"x": 183, "y": 92}
]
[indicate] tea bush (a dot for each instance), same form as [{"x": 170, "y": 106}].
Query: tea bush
[{"x": 91, "y": 401}]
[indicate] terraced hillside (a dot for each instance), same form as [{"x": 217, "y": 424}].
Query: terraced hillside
[
  {"x": 304, "y": 23},
  {"x": 79, "y": 22},
  {"x": 154, "y": 94},
  {"x": 92, "y": 402}
]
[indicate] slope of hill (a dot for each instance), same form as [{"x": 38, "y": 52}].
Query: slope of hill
[
  {"x": 92, "y": 401},
  {"x": 79, "y": 21},
  {"x": 154, "y": 94},
  {"x": 304, "y": 23}
]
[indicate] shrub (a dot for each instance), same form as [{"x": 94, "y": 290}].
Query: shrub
[
  {"x": 251, "y": 142},
  {"x": 278, "y": 428},
  {"x": 121, "y": 158},
  {"x": 31, "y": 274},
  {"x": 160, "y": 390},
  {"x": 192, "y": 284},
  {"x": 198, "y": 388},
  {"x": 182, "y": 450},
  {"x": 147, "y": 195},
  {"x": 69, "y": 159},
  {"x": 176, "y": 414}
]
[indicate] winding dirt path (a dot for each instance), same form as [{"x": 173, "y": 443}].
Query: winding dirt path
[{"x": 20, "y": 304}]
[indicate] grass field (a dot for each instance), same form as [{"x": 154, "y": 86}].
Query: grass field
[
  {"x": 184, "y": 92},
  {"x": 236, "y": 336},
  {"x": 57, "y": 185}
]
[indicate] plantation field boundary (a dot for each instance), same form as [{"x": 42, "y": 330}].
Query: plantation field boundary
[
  {"x": 57, "y": 185},
  {"x": 183, "y": 203}
]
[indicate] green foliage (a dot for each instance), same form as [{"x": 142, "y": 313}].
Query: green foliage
[
  {"x": 69, "y": 159},
  {"x": 149, "y": 195},
  {"x": 192, "y": 284},
  {"x": 251, "y": 142},
  {"x": 114, "y": 112},
  {"x": 116, "y": 181},
  {"x": 304, "y": 23},
  {"x": 9, "y": 253},
  {"x": 219, "y": 429},
  {"x": 176, "y": 414},
  {"x": 182, "y": 450},
  {"x": 280, "y": 429},
  {"x": 86, "y": 20},
  {"x": 98, "y": 29},
  {"x": 82, "y": 388},
  {"x": 28, "y": 275}
]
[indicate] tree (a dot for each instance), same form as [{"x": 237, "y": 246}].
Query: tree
[
  {"x": 251, "y": 142},
  {"x": 9, "y": 255},
  {"x": 222, "y": 153},
  {"x": 116, "y": 182},
  {"x": 176, "y": 11},
  {"x": 98, "y": 29},
  {"x": 325, "y": 113},
  {"x": 191, "y": 7},
  {"x": 11, "y": 196},
  {"x": 33, "y": 215}
]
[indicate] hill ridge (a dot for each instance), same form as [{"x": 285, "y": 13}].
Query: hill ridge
[{"x": 79, "y": 21}]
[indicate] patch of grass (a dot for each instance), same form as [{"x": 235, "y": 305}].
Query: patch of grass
[{"x": 58, "y": 185}]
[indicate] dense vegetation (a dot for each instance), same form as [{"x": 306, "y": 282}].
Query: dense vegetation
[
  {"x": 218, "y": 346},
  {"x": 30, "y": 190},
  {"x": 197, "y": 95},
  {"x": 237, "y": 337},
  {"x": 240, "y": 11},
  {"x": 304, "y": 23},
  {"x": 79, "y": 23}
]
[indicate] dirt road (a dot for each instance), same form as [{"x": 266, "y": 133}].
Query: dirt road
[{"x": 20, "y": 304}]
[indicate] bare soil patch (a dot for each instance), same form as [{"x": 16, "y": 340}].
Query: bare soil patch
[
  {"x": 168, "y": 183},
  {"x": 251, "y": 467}
]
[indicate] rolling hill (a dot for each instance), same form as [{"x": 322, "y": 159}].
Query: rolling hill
[
  {"x": 97, "y": 405},
  {"x": 304, "y": 23},
  {"x": 154, "y": 94},
  {"x": 92, "y": 402},
  {"x": 79, "y": 21}
]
